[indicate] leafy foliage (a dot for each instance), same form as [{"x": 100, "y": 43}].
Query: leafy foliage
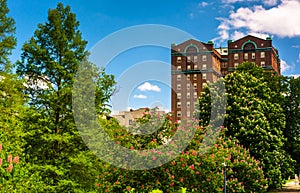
[
  {"x": 255, "y": 119},
  {"x": 49, "y": 62},
  {"x": 7, "y": 38},
  {"x": 291, "y": 107},
  {"x": 197, "y": 172}
]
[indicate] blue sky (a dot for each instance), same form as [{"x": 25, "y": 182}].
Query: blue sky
[{"x": 217, "y": 20}]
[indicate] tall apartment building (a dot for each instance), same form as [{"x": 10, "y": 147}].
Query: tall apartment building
[{"x": 195, "y": 63}]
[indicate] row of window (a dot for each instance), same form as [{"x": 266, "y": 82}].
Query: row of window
[
  {"x": 188, "y": 76},
  {"x": 179, "y": 114},
  {"x": 262, "y": 63},
  {"x": 247, "y": 55},
  {"x": 188, "y": 95},
  {"x": 188, "y": 86},
  {"x": 204, "y": 67},
  {"x": 191, "y": 58}
]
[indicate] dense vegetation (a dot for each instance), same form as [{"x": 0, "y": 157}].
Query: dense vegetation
[{"x": 41, "y": 149}]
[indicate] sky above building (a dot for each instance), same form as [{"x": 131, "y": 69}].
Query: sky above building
[{"x": 217, "y": 20}]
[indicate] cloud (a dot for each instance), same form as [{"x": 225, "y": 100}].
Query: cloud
[
  {"x": 191, "y": 15},
  {"x": 285, "y": 67},
  {"x": 296, "y": 46},
  {"x": 237, "y": 35},
  {"x": 270, "y": 2},
  {"x": 295, "y": 75},
  {"x": 282, "y": 20},
  {"x": 265, "y": 2},
  {"x": 140, "y": 96},
  {"x": 298, "y": 60},
  {"x": 235, "y": 1},
  {"x": 203, "y": 4},
  {"x": 148, "y": 87}
]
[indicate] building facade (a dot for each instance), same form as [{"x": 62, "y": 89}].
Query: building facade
[{"x": 196, "y": 63}]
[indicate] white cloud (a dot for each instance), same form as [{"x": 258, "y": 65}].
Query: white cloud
[
  {"x": 298, "y": 60},
  {"x": 270, "y": 2},
  {"x": 148, "y": 87},
  {"x": 191, "y": 15},
  {"x": 237, "y": 35},
  {"x": 296, "y": 46},
  {"x": 295, "y": 75},
  {"x": 265, "y": 2},
  {"x": 285, "y": 67},
  {"x": 282, "y": 20},
  {"x": 140, "y": 96},
  {"x": 203, "y": 4},
  {"x": 42, "y": 82},
  {"x": 235, "y": 1}
]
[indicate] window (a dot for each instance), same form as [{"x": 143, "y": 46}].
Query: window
[
  {"x": 195, "y": 76},
  {"x": 204, "y": 84},
  {"x": 203, "y": 66},
  {"x": 178, "y": 113},
  {"x": 179, "y": 77},
  {"x": 130, "y": 122},
  {"x": 178, "y": 59},
  {"x": 195, "y": 58},
  {"x": 236, "y": 64},
  {"x": 236, "y": 56},
  {"x": 188, "y": 85},
  {"x": 189, "y": 59},
  {"x": 188, "y": 95},
  {"x": 178, "y": 104},
  {"x": 188, "y": 104},
  {"x": 262, "y": 63},
  {"x": 195, "y": 95},
  {"x": 195, "y": 66},
  {"x": 253, "y": 56},
  {"x": 204, "y": 58},
  {"x": 246, "y": 56},
  {"x": 188, "y": 77},
  {"x": 224, "y": 64},
  {"x": 203, "y": 75},
  {"x": 195, "y": 85},
  {"x": 188, "y": 113},
  {"x": 188, "y": 67},
  {"x": 178, "y": 86},
  {"x": 178, "y": 95},
  {"x": 262, "y": 55},
  {"x": 178, "y": 67}
]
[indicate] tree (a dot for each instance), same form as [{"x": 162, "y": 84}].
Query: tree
[
  {"x": 49, "y": 62},
  {"x": 255, "y": 119},
  {"x": 7, "y": 38},
  {"x": 291, "y": 107}
]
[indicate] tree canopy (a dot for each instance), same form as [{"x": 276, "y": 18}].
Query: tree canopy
[{"x": 254, "y": 118}]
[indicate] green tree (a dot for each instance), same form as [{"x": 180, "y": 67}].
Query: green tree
[
  {"x": 291, "y": 107},
  {"x": 254, "y": 118},
  {"x": 49, "y": 62},
  {"x": 7, "y": 38}
]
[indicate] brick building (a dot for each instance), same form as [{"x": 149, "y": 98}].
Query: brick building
[{"x": 195, "y": 63}]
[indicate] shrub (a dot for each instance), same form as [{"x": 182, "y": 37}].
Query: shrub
[{"x": 198, "y": 172}]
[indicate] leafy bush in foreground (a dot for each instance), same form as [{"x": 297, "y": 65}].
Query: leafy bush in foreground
[{"x": 191, "y": 169}]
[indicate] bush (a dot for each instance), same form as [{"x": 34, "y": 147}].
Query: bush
[
  {"x": 191, "y": 169},
  {"x": 15, "y": 175}
]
